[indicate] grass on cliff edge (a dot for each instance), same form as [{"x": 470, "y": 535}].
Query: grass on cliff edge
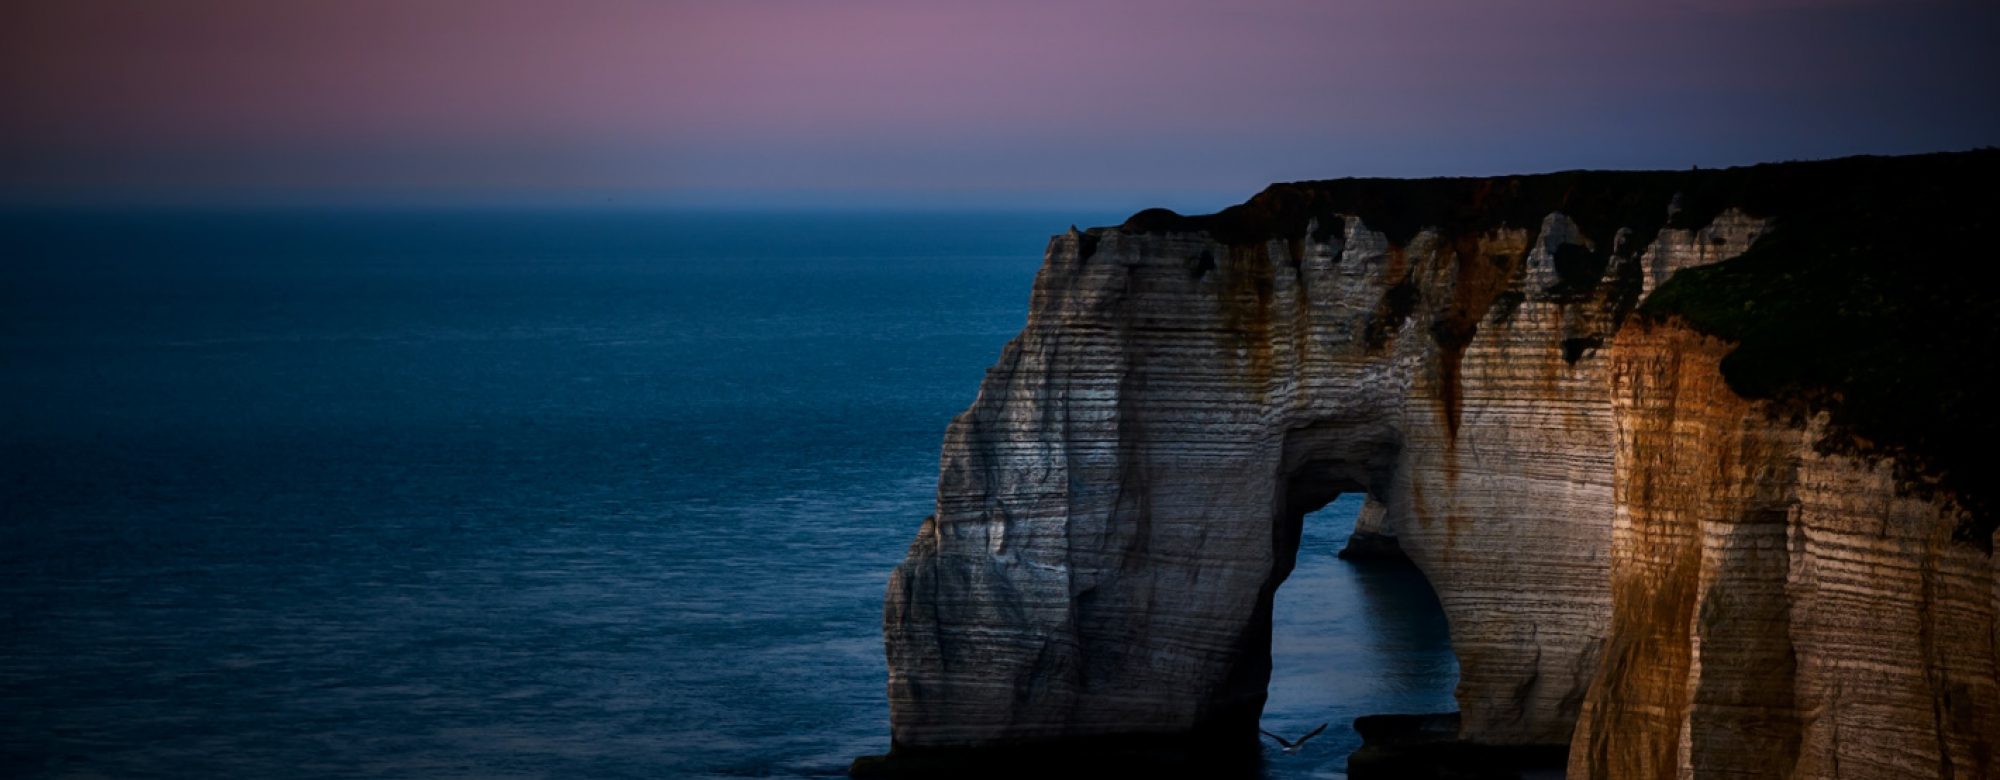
[{"x": 1874, "y": 298}]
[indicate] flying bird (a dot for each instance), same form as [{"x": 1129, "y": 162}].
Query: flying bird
[{"x": 1293, "y": 747}]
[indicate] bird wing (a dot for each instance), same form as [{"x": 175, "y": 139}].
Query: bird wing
[
  {"x": 1313, "y": 733},
  {"x": 1281, "y": 740}
]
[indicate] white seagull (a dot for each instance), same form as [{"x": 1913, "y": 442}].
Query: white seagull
[{"x": 1293, "y": 747}]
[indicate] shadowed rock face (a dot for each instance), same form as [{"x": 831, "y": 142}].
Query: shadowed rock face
[{"x": 1120, "y": 503}]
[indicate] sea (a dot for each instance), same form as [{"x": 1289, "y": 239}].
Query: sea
[{"x": 521, "y": 493}]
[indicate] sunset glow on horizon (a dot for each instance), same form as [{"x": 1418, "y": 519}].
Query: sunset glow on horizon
[{"x": 794, "y": 102}]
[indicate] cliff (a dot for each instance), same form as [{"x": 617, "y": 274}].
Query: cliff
[
  {"x": 1778, "y": 610},
  {"x": 1511, "y": 370}
]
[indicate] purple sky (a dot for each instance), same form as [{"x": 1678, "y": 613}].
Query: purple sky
[{"x": 941, "y": 102}]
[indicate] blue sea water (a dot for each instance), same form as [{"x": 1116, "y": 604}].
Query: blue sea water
[{"x": 554, "y": 494}]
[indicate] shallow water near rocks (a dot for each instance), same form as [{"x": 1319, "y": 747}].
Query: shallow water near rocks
[{"x": 521, "y": 494}]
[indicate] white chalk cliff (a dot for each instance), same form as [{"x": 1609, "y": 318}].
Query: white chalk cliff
[{"x": 1617, "y": 537}]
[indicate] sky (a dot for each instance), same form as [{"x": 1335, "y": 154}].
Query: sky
[{"x": 948, "y": 103}]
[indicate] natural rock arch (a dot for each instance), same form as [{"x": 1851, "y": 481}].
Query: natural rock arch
[{"x": 1117, "y": 506}]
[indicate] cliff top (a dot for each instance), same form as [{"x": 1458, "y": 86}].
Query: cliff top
[{"x": 1869, "y": 298}]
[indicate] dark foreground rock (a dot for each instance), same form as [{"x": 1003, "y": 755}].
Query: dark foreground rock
[
  {"x": 1121, "y": 756},
  {"x": 1427, "y": 747}
]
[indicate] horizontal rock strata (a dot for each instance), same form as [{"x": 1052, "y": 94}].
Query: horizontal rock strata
[
  {"x": 1120, "y": 503},
  {"x": 1779, "y": 611}
]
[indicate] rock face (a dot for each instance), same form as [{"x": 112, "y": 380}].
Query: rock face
[
  {"x": 1118, "y": 506},
  {"x": 1778, "y": 611}
]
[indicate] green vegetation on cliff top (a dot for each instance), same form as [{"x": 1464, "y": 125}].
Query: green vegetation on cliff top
[{"x": 1873, "y": 298}]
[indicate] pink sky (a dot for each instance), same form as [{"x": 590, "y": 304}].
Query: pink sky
[{"x": 1022, "y": 102}]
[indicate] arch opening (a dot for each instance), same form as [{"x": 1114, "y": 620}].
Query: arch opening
[{"x": 1349, "y": 637}]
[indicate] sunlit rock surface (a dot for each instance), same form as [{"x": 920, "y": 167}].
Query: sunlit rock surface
[{"x": 1778, "y": 611}]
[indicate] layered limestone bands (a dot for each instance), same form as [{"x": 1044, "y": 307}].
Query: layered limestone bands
[
  {"x": 1120, "y": 503},
  {"x": 1630, "y": 550},
  {"x": 1778, "y": 611}
]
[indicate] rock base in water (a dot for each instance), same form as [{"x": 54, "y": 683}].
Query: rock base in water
[
  {"x": 1368, "y": 546},
  {"x": 1427, "y": 747}
]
